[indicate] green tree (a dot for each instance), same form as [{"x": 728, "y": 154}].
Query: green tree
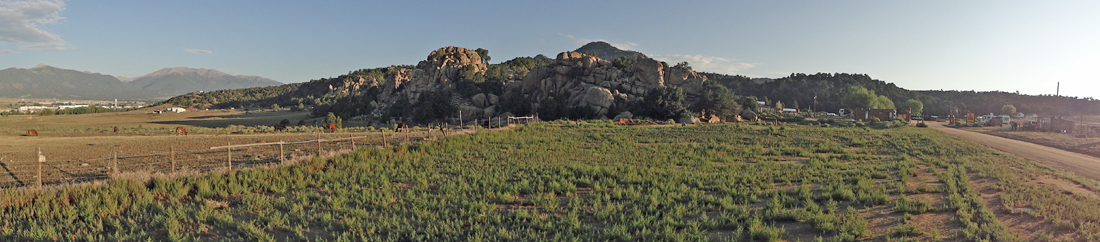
[
  {"x": 912, "y": 104},
  {"x": 859, "y": 97},
  {"x": 275, "y": 106},
  {"x": 778, "y": 105},
  {"x": 749, "y": 102},
  {"x": 718, "y": 100},
  {"x": 662, "y": 104},
  {"x": 333, "y": 119},
  {"x": 1008, "y": 109},
  {"x": 884, "y": 102},
  {"x": 484, "y": 55},
  {"x": 623, "y": 63},
  {"x": 434, "y": 106}
]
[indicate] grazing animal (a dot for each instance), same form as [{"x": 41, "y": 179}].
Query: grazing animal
[
  {"x": 32, "y": 132},
  {"x": 331, "y": 127},
  {"x": 280, "y": 128},
  {"x": 116, "y": 129},
  {"x": 400, "y": 126},
  {"x": 181, "y": 130}
]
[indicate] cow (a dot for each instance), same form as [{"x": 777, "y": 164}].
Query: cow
[
  {"x": 280, "y": 128},
  {"x": 400, "y": 126},
  {"x": 181, "y": 130},
  {"x": 32, "y": 132},
  {"x": 331, "y": 128},
  {"x": 116, "y": 129}
]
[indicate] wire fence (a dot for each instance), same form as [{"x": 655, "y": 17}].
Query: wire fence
[{"x": 46, "y": 171}]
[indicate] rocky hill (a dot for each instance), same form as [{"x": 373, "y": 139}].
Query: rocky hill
[
  {"x": 607, "y": 52},
  {"x": 44, "y": 81},
  {"x": 455, "y": 81}
]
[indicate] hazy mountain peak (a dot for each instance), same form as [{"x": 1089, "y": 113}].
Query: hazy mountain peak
[
  {"x": 42, "y": 65},
  {"x": 184, "y": 70}
]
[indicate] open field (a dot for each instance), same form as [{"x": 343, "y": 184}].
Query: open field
[
  {"x": 85, "y": 147},
  {"x": 140, "y": 122},
  {"x": 597, "y": 181}
]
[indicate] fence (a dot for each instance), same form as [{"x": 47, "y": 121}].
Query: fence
[{"x": 46, "y": 171}]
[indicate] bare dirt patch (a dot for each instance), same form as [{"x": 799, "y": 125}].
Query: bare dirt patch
[
  {"x": 1067, "y": 186},
  {"x": 1022, "y": 224}
]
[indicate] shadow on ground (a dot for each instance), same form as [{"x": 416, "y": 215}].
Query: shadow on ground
[{"x": 250, "y": 119}]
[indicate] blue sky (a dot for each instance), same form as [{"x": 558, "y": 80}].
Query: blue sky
[{"x": 1024, "y": 46}]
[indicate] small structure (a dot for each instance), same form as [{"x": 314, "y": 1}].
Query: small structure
[
  {"x": 864, "y": 114},
  {"x": 790, "y": 111},
  {"x": 175, "y": 110}
]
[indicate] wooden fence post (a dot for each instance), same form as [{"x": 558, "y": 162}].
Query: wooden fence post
[
  {"x": 385, "y": 143},
  {"x": 41, "y": 159},
  {"x": 318, "y": 145},
  {"x": 172, "y": 151},
  {"x": 460, "y": 123},
  {"x": 282, "y": 158},
  {"x": 229, "y": 155},
  {"x": 476, "y": 123},
  {"x": 407, "y": 136}
]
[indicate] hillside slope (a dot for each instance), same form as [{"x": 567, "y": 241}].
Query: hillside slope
[
  {"x": 45, "y": 81},
  {"x": 170, "y": 82}
]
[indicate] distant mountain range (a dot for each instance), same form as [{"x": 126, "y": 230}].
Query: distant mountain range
[{"x": 44, "y": 81}]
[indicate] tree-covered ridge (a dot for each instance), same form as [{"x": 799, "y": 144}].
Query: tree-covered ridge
[{"x": 798, "y": 91}]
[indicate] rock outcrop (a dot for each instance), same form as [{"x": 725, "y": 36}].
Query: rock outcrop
[{"x": 585, "y": 80}]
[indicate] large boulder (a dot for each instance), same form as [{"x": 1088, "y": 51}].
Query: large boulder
[
  {"x": 480, "y": 100},
  {"x": 649, "y": 74},
  {"x": 598, "y": 97},
  {"x": 685, "y": 78}
]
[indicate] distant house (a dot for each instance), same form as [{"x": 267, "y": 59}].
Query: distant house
[
  {"x": 865, "y": 114},
  {"x": 790, "y": 111},
  {"x": 175, "y": 110}
]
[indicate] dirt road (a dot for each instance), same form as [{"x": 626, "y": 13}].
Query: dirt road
[{"x": 1082, "y": 165}]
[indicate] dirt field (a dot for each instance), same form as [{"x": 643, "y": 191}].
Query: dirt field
[
  {"x": 1082, "y": 165},
  {"x": 84, "y": 147}
]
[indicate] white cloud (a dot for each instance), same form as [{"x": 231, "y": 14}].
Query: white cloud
[
  {"x": 20, "y": 22},
  {"x": 708, "y": 63},
  {"x": 7, "y": 52},
  {"x": 582, "y": 41},
  {"x": 197, "y": 51}
]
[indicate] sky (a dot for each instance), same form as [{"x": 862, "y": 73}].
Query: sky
[{"x": 1014, "y": 46}]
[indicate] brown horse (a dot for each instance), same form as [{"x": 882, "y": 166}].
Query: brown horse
[
  {"x": 181, "y": 130},
  {"x": 116, "y": 129},
  {"x": 331, "y": 128},
  {"x": 32, "y": 132},
  {"x": 400, "y": 126},
  {"x": 280, "y": 128}
]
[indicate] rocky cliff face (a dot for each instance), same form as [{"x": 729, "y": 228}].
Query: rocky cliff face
[{"x": 587, "y": 81}]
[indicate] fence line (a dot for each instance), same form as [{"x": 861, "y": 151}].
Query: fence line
[{"x": 15, "y": 174}]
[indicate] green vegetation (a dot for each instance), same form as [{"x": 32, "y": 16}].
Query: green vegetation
[
  {"x": 830, "y": 89},
  {"x": 1008, "y": 109},
  {"x": 588, "y": 181},
  {"x": 911, "y": 105}
]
